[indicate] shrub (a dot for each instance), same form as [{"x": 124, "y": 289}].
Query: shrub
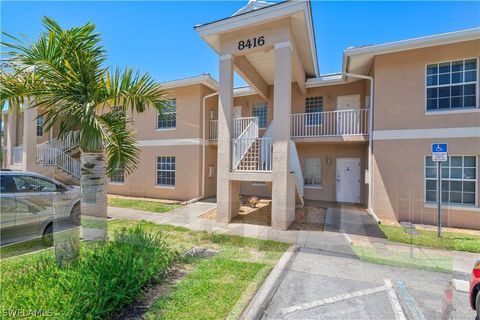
[{"x": 105, "y": 278}]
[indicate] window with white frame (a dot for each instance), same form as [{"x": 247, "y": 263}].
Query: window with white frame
[
  {"x": 313, "y": 107},
  {"x": 452, "y": 85},
  {"x": 260, "y": 111},
  {"x": 459, "y": 180},
  {"x": 40, "y": 123},
  {"x": 117, "y": 176},
  {"x": 167, "y": 119},
  {"x": 166, "y": 171},
  {"x": 312, "y": 174}
]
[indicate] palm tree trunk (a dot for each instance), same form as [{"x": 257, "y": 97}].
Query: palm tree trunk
[{"x": 94, "y": 196}]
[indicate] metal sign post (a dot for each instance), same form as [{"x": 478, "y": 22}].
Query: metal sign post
[{"x": 439, "y": 154}]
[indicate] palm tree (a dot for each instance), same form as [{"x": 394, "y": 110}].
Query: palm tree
[{"x": 63, "y": 74}]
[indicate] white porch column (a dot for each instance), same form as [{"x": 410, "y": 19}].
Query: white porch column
[
  {"x": 283, "y": 188},
  {"x": 228, "y": 202},
  {"x": 29, "y": 137},
  {"x": 11, "y": 134}
]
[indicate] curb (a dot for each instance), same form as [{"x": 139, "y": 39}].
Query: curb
[{"x": 264, "y": 295}]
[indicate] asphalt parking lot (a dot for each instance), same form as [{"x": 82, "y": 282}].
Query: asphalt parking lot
[{"x": 326, "y": 285}]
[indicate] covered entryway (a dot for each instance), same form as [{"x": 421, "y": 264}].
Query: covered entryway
[{"x": 348, "y": 180}]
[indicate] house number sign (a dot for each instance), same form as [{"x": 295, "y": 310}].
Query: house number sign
[{"x": 251, "y": 43}]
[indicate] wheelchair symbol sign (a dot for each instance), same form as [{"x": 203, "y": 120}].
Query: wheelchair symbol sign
[
  {"x": 439, "y": 147},
  {"x": 439, "y": 152}
]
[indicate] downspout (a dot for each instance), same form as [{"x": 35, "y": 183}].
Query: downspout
[
  {"x": 203, "y": 148},
  {"x": 370, "y": 142}
]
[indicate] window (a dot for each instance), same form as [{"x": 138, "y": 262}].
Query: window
[
  {"x": 452, "y": 85},
  {"x": 312, "y": 172},
  {"x": 313, "y": 107},
  {"x": 459, "y": 180},
  {"x": 40, "y": 122},
  {"x": 118, "y": 176},
  {"x": 260, "y": 111},
  {"x": 166, "y": 171},
  {"x": 33, "y": 184},
  {"x": 168, "y": 118}
]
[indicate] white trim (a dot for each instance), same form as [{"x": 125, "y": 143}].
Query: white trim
[
  {"x": 170, "y": 142},
  {"x": 313, "y": 187},
  {"x": 284, "y": 44},
  {"x": 160, "y": 186},
  {"x": 452, "y": 207},
  {"x": 204, "y": 79},
  {"x": 431, "y": 133},
  {"x": 116, "y": 183},
  {"x": 226, "y": 57},
  {"x": 166, "y": 129},
  {"x": 416, "y": 43},
  {"x": 464, "y": 110}
]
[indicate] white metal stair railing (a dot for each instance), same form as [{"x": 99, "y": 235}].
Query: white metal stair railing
[
  {"x": 297, "y": 169},
  {"x": 242, "y": 143},
  {"x": 53, "y": 153}
]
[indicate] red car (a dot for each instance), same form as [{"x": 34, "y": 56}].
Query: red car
[{"x": 475, "y": 288}]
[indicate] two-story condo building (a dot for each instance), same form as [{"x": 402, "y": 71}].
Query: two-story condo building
[{"x": 362, "y": 136}]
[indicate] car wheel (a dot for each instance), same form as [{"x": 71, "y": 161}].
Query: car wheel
[
  {"x": 75, "y": 213},
  {"x": 47, "y": 236}
]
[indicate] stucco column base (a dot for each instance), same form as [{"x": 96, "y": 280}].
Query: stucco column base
[
  {"x": 228, "y": 201},
  {"x": 283, "y": 203}
]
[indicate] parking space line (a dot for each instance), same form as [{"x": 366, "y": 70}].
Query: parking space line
[
  {"x": 392, "y": 296},
  {"x": 334, "y": 299},
  {"x": 411, "y": 304}
]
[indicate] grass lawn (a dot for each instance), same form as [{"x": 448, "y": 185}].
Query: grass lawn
[
  {"x": 218, "y": 287},
  {"x": 449, "y": 240},
  {"x": 16, "y": 249},
  {"x": 141, "y": 205}
]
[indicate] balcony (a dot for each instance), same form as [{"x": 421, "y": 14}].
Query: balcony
[{"x": 329, "y": 124}]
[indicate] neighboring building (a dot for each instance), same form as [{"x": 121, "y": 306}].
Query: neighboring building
[{"x": 294, "y": 134}]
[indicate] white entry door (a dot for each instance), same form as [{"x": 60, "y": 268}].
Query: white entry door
[
  {"x": 237, "y": 113},
  {"x": 348, "y": 180},
  {"x": 348, "y": 121}
]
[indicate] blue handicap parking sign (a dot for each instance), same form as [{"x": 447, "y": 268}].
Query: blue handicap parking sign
[{"x": 439, "y": 147}]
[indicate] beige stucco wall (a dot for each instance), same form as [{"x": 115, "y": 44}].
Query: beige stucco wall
[
  {"x": 399, "y": 163},
  {"x": 400, "y": 88},
  {"x": 329, "y": 152},
  {"x": 399, "y": 184}
]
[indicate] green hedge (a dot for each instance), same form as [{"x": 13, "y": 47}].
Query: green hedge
[{"x": 105, "y": 278}]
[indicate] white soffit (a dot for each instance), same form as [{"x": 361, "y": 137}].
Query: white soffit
[
  {"x": 359, "y": 59},
  {"x": 301, "y": 18}
]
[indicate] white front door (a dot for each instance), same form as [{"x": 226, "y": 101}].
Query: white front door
[
  {"x": 347, "y": 121},
  {"x": 237, "y": 113},
  {"x": 348, "y": 180}
]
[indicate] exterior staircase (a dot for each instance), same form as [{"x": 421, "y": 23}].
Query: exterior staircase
[{"x": 59, "y": 154}]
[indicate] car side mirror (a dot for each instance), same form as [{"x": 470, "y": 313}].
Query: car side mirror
[{"x": 61, "y": 188}]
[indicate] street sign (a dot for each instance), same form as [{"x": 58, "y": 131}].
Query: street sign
[{"x": 439, "y": 152}]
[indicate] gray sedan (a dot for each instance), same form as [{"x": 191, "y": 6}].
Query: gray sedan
[{"x": 30, "y": 202}]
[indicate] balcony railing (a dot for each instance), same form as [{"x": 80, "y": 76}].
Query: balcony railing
[
  {"x": 213, "y": 135},
  {"x": 17, "y": 155},
  {"x": 241, "y": 124},
  {"x": 329, "y": 123}
]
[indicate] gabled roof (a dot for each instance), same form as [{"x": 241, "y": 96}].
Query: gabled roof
[{"x": 253, "y": 5}]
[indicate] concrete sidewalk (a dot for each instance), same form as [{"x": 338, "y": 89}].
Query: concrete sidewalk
[{"x": 345, "y": 227}]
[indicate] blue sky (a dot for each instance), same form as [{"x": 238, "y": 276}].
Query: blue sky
[{"x": 158, "y": 37}]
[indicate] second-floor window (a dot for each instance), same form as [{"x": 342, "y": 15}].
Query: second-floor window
[
  {"x": 40, "y": 122},
  {"x": 260, "y": 111},
  {"x": 452, "y": 85},
  {"x": 313, "y": 107},
  {"x": 168, "y": 118}
]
